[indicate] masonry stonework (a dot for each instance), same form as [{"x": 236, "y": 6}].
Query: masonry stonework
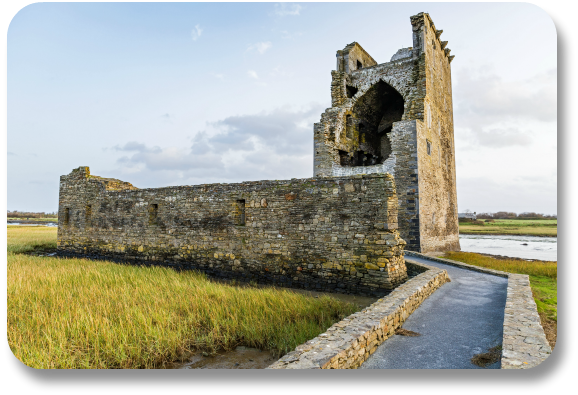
[
  {"x": 333, "y": 234},
  {"x": 383, "y": 156},
  {"x": 397, "y": 118}
]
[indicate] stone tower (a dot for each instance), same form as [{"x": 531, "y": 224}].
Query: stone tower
[{"x": 397, "y": 118}]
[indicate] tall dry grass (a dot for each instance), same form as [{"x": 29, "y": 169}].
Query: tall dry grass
[
  {"x": 546, "y": 269},
  {"x": 77, "y": 313}
]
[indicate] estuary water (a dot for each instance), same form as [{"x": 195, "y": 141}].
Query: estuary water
[
  {"x": 526, "y": 247},
  {"x": 32, "y": 224}
]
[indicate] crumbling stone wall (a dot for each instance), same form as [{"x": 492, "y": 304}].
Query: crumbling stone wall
[
  {"x": 330, "y": 234},
  {"x": 397, "y": 118}
]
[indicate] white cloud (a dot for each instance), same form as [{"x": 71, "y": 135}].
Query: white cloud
[
  {"x": 284, "y": 9},
  {"x": 484, "y": 97},
  {"x": 218, "y": 76},
  {"x": 253, "y": 74},
  {"x": 196, "y": 32},
  {"x": 269, "y": 145},
  {"x": 261, "y": 47}
]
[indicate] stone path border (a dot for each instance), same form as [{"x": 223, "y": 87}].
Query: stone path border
[
  {"x": 524, "y": 343},
  {"x": 348, "y": 343}
]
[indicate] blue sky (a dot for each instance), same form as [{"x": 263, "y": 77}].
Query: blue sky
[{"x": 161, "y": 94}]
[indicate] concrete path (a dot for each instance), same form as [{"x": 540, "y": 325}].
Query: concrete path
[{"x": 462, "y": 318}]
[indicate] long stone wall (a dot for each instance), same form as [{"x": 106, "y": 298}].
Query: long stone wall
[{"x": 334, "y": 234}]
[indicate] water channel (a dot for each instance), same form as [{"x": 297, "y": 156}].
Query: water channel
[{"x": 526, "y": 247}]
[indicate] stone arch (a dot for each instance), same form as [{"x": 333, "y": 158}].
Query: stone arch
[{"x": 374, "y": 110}]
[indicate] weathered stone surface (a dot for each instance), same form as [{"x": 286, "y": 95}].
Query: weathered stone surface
[
  {"x": 301, "y": 233},
  {"x": 397, "y": 118}
]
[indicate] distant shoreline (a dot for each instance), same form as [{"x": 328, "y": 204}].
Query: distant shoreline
[{"x": 505, "y": 234}]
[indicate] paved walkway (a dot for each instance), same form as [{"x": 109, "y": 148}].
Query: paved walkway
[{"x": 462, "y": 318}]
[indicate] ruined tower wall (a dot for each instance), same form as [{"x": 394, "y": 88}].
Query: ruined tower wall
[
  {"x": 437, "y": 185},
  {"x": 330, "y": 234},
  {"x": 425, "y": 178},
  {"x": 348, "y": 58}
]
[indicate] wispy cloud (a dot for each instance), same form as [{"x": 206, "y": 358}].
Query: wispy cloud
[
  {"x": 269, "y": 145},
  {"x": 286, "y": 35},
  {"x": 253, "y": 74},
  {"x": 261, "y": 47},
  {"x": 494, "y": 113},
  {"x": 218, "y": 76},
  {"x": 138, "y": 147},
  {"x": 196, "y": 32},
  {"x": 280, "y": 72},
  {"x": 484, "y": 97},
  {"x": 284, "y": 9}
]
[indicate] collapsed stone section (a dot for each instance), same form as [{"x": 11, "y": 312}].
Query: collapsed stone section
[{"x": 336, "y": 234}]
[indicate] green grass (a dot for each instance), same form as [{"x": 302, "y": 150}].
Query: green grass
[
  {"x": 51, "y": 219},
  {"x": 545, "y": 227},
  {"x": 77, "y": 313},
  {"x": 543, "y": 281}
]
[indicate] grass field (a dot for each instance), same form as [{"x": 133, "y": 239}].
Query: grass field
[
  {"x": 34, "y": 219},
  {"x": 77, "y": 313},
  {"x": 543, "y": 281},
  {"x": 544, "y": 227}
]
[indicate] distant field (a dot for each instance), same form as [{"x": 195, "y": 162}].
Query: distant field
[
  {"x": 34, "y": 219},
  {"x": 544, "y": 227},
  {"x": 543, "y": 281},
  {"x": 78, "y": 313}
]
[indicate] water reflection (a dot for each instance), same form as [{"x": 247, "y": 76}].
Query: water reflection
[{"x": 527, "y": 247}]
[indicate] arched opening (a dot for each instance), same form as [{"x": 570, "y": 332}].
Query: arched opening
[{"x": 373, "y": 117}]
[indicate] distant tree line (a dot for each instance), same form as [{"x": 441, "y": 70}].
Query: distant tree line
[
  {"x": 26, "y": 214},
  {"x": 509, "y": 215}
]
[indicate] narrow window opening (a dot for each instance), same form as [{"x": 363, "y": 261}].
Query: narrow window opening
[
  {"x": 359, "y": 65},
  {"x": 153, "y": 214},
  {"x": 349, "y": 126},
  {"x": 331, "y": 136},
  {"x": 440, "y": 157},
  {"x": 66, "y": 219},
  {"x": 429, "y": 148},
  {"x": 88, "y": 215},
  {"x": 241, "y": 212},
  {"x": 433, "y": 219},
  {"x": 351, "y": 91}
]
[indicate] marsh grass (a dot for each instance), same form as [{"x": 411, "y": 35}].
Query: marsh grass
[
  {"x": 543, "y": 281},
  {"x": 78, "y": 313}
]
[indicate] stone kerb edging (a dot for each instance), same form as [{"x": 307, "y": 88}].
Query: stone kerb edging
[
  {"x": 348, "y": 343},
  {"x": 524, "y": 344}
]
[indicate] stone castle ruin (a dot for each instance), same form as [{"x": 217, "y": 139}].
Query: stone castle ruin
[{"x": 384, "y": 180}]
